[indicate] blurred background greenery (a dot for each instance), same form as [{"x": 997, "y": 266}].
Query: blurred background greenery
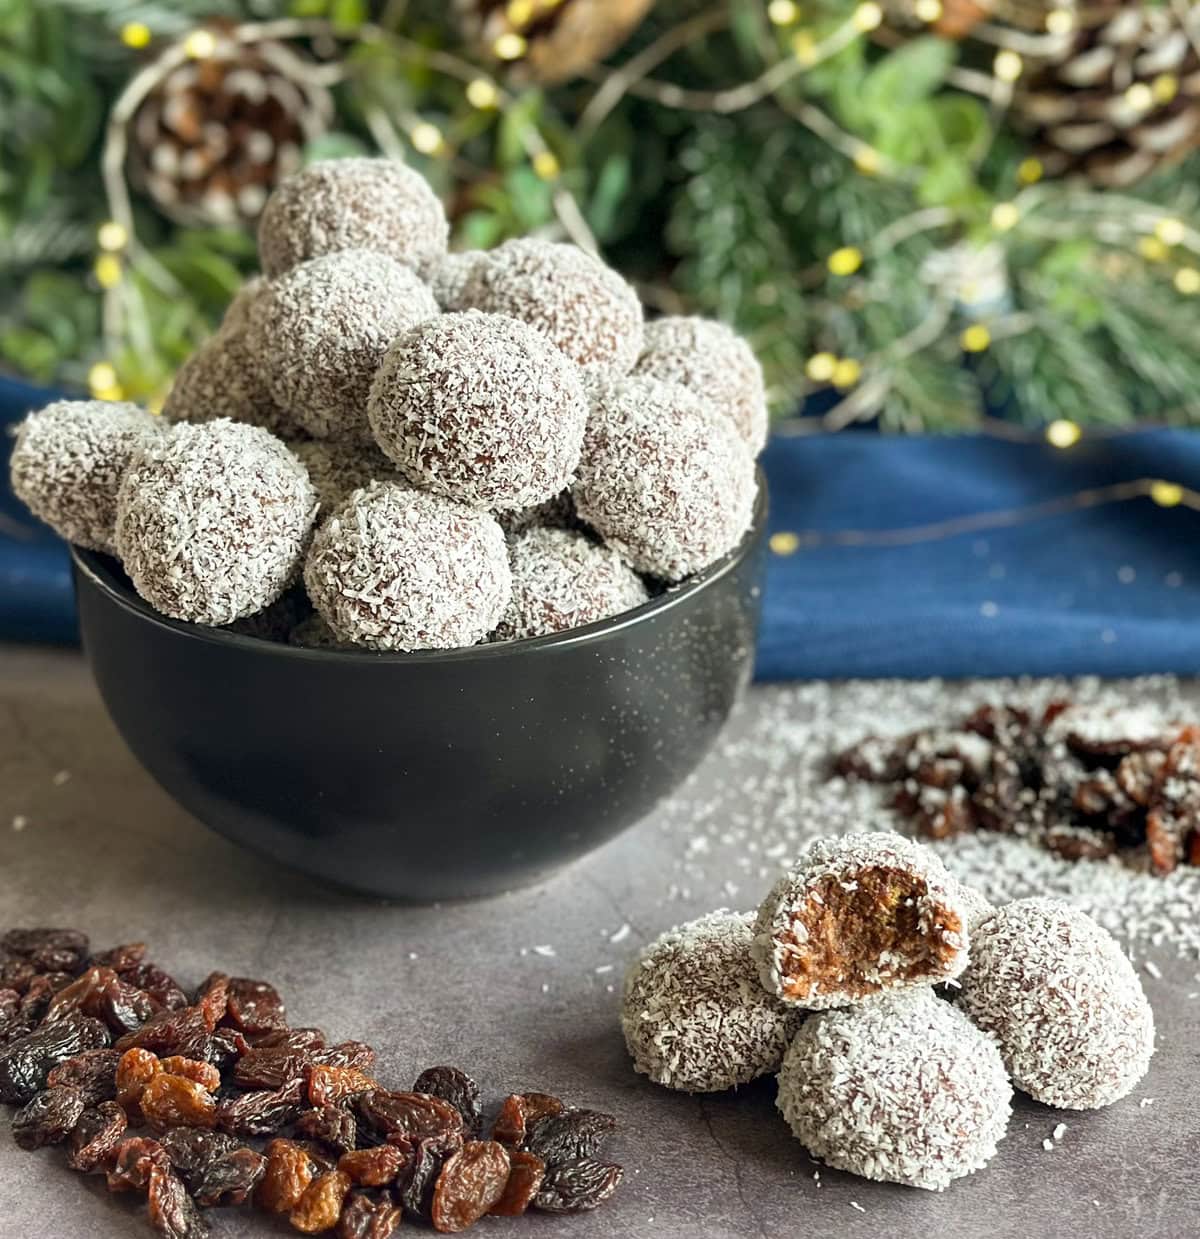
[{"x": 928, "y": 212}]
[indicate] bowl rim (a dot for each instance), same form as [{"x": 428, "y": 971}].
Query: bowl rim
[{"x": 94, "y": 566}]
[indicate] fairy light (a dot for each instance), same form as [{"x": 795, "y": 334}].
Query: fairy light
[
  {"x": 783, "y": 12},
  {"x": 1152, "y": 249},
  {"x": 112, "y": 236},
  {"x": 136, "y": 35},
  {"x": 103, "y": 382},
  {"x": 1005, "y": 216},
  {"x": 866, "y": 160},
  {"x": 846, "y": 373},
  {"x": 1007, "y": 66},
  {"x": 1030, "y": 171},
  {"x": 784, "y": 543},
  {"x": 1164, "y": 87},
  {"x": 820, "y": 367},
  {"x": 482, "y": 94},
  {"x": 426, "y": 138},
  {"x": 868, "y": 17},
  {"x": 1063, "y": 433},
  {"x": 804, "y": 47},
  {"x": 1170, "y": 231},
  {"x": 200, "y": 44},
  {"x": 1060, "y": 21},
  {"x": 1187, "y": 281},
  {"x": 509, "y": 46},
  {"x": 520, "y": 12},
  {"x": 546, "y": 165},
  {"x": 1166, "y": 494},
  {"x": 928, "y": 10},
  {"x": 845, "y": 261},
  {"x": 975, "y": 338},
  {"x": 1139, "y": 97},
  {"x": 107, "y": 270}
]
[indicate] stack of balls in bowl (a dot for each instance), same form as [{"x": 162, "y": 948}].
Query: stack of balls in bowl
[
  {"x": 448, "y": 448},
  {"x": 898, "y": 1007}
]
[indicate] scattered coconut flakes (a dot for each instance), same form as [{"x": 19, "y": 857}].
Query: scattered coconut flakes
[
  {"x": 20, "y": 822},
  {"x": 1147, "y": 1101},
  {"x": 1048, "y": 1145},
  {"x": 545, "y": 949},
  {"x": 63, "y": 776},
  {"x": 1059, "y": 1132},
  {"x": 621, "y": 934},
  {"x": 1153, "y": 969},
  {"x": 855, "y": 1205}
]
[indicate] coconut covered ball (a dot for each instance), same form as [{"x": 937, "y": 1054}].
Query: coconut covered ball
[
  {"x": 481, "y": 409},
  {"x": 321, "y": 330},
  {"x": 399, "y": 569},
  {"x": 713, "y": 362},
  {"x": 562, "y": 579},
  {"x": 575, "y": 301},
  {"x": 901, "y": 1088},
  {"x": 556, "y": 513},
  {"x": 212, "y": 521},
  {"x": 1064, "y": 1003},
  {"x": 662, "y": 478},
  {"x": 694, "y": 1015},
  {"x": 68, "y": 461},
  {"x": 856, "y": 915},
  {"x": 451, "y": 277},
  {"x": 348, "y": 204},
  {"x": 338, "y": 466}
]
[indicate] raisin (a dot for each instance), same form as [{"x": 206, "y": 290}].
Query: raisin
[
  {"x": 576, "y": 1187},
  {"x": 943, "y": 814},
  {"x": 37, "y": 998},
  {"x": 327, "y": 1085},
  {"x": 120, "y": 959},
  {"x": 525, "y": 1174},
  {"x": 287, "y": 1174},
  {"x": 368, "y": 1215},
  {"x": 93, "y": 1072},
  {"x": 471, "y": 1182},
  {"x": 169, "y": 1209},
  {"x": 519, "y": 1112},
  {"x": 1079, "y": 842},
  {"x": 456, "y": 1087},
  {"x": 255, "y": 1006},
  {"x": 570, "y": 1136},
  {"x": 1139, "y": 776},
  {"x": 124, "y": 1007},
  {"x": 372, "y": 1167},
  {"x": 16, "y": 974},
  {"x": 204, "y": 1074},
  {"x": 212, "y": 998},
  {"x": 226, "y": 1046},
  {"x": 230, "y": 1179},
  {"x": 192, "y": 1150},
  {"x": 1165, "y": 836},
  {"x": 135, "y": 1069},
  {"x": 262, "y": 1113},
  {"x": 49, "y": 950},
  {"x": 164, "y": 989},
  {"x": 425, "y": 1165},
  {"x": 396, "y": 1117},
  {"x": 295, "y": 1039},
  {"x": 172, "y": 1101},
  {"x": 93, "y": 1141},
  {"x": 10, "y": 1010},
  {"x": 329, "y": 1125},
  {"x": 873, "y": 760},
  {"x": 270, "y": 1068},
  {"x": 25, "y": 1063},
  {"x": 346, "y": 1054},
  {"x": 80, "y": 994},
  {"x": 321, "y": 1205},
  {"x": 319, "y": 1155},
  {"x": 134, "y": 1158},
  {"x": 175, "y": 1030},
  {"x": 48, "y": 1118}
]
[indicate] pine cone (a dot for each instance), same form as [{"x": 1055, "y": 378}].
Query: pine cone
[
  {"x": 548, "y": 41},
  {"x": 212, "y": 139}
]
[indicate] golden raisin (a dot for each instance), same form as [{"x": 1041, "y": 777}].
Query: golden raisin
[
  {"x": 289, "y": 1172},
  {"x": 321, "y": 1205},
  {"x": 135, "y": 1069},
  {"x": 172, "y": 1101},
  {"x": 204, "y": 1074},
  {"x": 327, "y": 1085},
  {"x": 372, "y": 1167}
]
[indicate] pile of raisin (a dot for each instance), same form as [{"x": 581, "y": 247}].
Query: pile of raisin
[
  {"x": 210, "y": 1099},
  {"x": 1081, "y": 794}
]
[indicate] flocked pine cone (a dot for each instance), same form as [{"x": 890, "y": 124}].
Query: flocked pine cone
[
  {"x": 548, "y": 40},
  {"x": 209, "y": 143}
]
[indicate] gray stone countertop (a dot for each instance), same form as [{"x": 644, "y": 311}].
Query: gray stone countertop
[{"x": 105, "y": 850}]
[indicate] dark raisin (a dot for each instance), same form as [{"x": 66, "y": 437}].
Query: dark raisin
[
  {"x": 354, "y": 1054},
  {"x": 122, "y": 958},
  {"x": 16, "y": 973},
  {"x": 288, "y": 1172},
  {"x": 456, "y": 1087},
  {"x": 576, "y": 1187},
  {"x": 37, "y": 998},
  {"x": 570, "y": 1136},
  {"x": 471, "y": 1182},
  {"x": 176, "y": 1030},
  {"x": 525, "y": 1174},
  {"x": 327, "y": 1085},
  {"x": 943, "y": 814},
  {"x": 192, "y": 1150},
  {"x": 519, "y": 1112},
  {"x": 874, "y": 760},
  {"x": 294, "y": 1039},
  {"x": 255, "y": 1006},
  {"x": 204, "y": 1074},
  {"x": 25, "y": 1063},
  {"x": 329, "y": 1125},
  {"x": 93, "y": 1072},
  {"x": 1139, "y": 776},
  {"x": 170, "y": 1210},
  {"x": 92, "y": 1144},
  {"x": 261, "y": 1113},
  {"x": 212, "y": 998},
  {"x": 48, "y": 1118},
  {"x": 226, "y": 1046},
  {"x": 426, "y": 1159},
  {"x": 123, "y": 1007},
  {"x": 1079, "y": 842},
  {"x": 49, "y": 950},
  {"x": 163, "y": 988},
  {"x": 399, "y": 1117},
  {"x": 135, "y": 1157},
  {"x": 135, "y": 1069},
  {"x": 372, "y": 1167},
  {"x": 270, "y": 1068},
  {"x": 368, "y": 1215},
  {"x": 12, "y": 1024},
  {"x": 230, "y": 1179},
  {"x": 321, "y": 1205},
  {"x": 321, "y": 1158}
]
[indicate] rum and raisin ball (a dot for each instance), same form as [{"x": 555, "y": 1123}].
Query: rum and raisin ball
[
  {"x": 712, "y": 361},
  {"x": 575, "y": 301},
  {"x": 451, "y": 277},
  {"x": 562, "y": 579},
  {"x": 901, "y": 1088},
  {"x": 348, "y": 204},
  {"x": 400, "y": 569},
  {"x": 662, "y": 478},
  {"x": 321, "y": 330},
  {"x": 338, "y": 466},
  {"x": 1063, "y": 1002},
  {"x": 68, "y": 462},
  {"x": 481, "y": 409},
  {"x": 694, "y": 1015},
  {"x": 857, "y": 915},
  {"x": 212, "y": 521}
]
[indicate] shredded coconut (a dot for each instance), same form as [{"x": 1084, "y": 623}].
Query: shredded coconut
[
  {"x": 338, "y": 466},
  {"x": 450, "y": 278}
]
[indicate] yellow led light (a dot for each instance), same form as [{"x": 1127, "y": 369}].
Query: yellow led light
[
  {"x": 866, "y": 160},
  {"x": 928, "y": 10},
  {"x": 1152, "y": 249},
  {"x": 1166, "y": 494},
  {"x": 1007, "y": 66},
  {"x": 112, "y": 236},
  {"x": 546, "y": 165},
  {"x": 509, "y": 46},
  {"x": 846, "y": 373},
  {"x": 482, "y": 94},
  {"x": 783, "y": 12},
  {"x": 1060, "y": 21},
  {"x": 200, "y": 44},
  {"x": 804, "y": 47},
  {"x": 784, "y": 543},
  {"x": 1187, "y": 281},
  {"x": 520, "y": 12},
  {"x": 1005, "y": 216},
  {"x": 868, "y": 16},
  {"x": 1063, "y": 433},
  {"x": 426, "y": 138},
  {"x": 155, "y": 405},
  {"x": 976, "y": 338},
  {"x": 1165, "y": 87},
  {"x": 820, "y": 367},
  {"x": 107, "y": 270},
  {"x": 102, "y": 378},
  {"x": 1030, "y": 171},
  {"x": 845, "y": 261},
  {"x": 1170, "y": 231},
  {"x": 1140, "y": 97},
  {"x": 136, "y": 34}
]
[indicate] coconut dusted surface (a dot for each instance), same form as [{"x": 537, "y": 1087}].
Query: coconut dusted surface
[
  {"x": 562, "y": 579},
  {"x": 713, "y": 361},
  {"x": 343, "y": 204},
  {"x": 901, "y": 1088},
  {"x": 451, "y": 276},
  {"x": 693, "y": 1013},
  {"x": 399, "y": 569},
  {"x": 68, "y": 461},
  {"x": 858, "y": 914},
  {"x": 480, "y": 408},
  {"x": 574, "y": 300},
  {"x": 663, "y": 479},
  {"x": 338, "y": 466},
  {"x": 1063, "y": 1002},
  {"x": 212, "y": 521},
  {"x": 320, "y": 331}
]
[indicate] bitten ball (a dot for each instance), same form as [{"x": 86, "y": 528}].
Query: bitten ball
[
  {"x": 68, "y": 462},
  {"x": 901, "y": 1089},
  {"x": 693, "y": 1013},
  {"x": 212, "y": 521},
  {"x": 562, "y": 579},
  {"x": 713, "y": 362},
  {"x": 345, "y": 204},
  {"x": 481, "y": 409},
  {"x": 583, "y": 307},
  {"x": 1064, "y": 1003},
  {"x": 399, "y": 569},
  {"x": 663, "y": 479}
]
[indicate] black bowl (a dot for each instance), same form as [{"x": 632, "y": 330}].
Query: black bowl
[{"x": 436, "y": 774}]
